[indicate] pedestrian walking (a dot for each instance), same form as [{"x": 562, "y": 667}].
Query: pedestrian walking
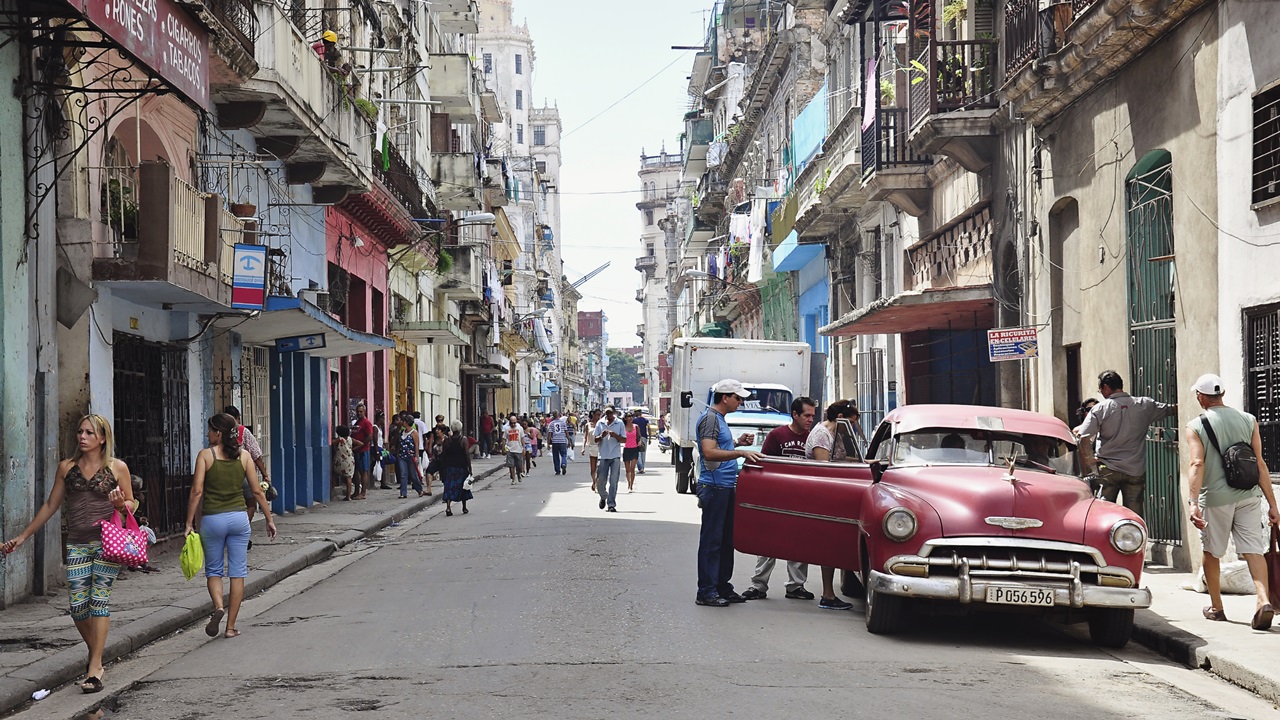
[
  {"x": 642, "y": 429},
  {"x": 834, "y": 441},
  {"x": 786, "y": 441},
  {"x": 220, "y": 472},
  {"x": 630, "y": 449},
  {"x": 250, "y": 443},
  {"x": 424, "y": 432},
  {"x": 379, "y": 448},
  {"x": 453, "y": 464},
  {"x": 407, "y": 456},
  {"x": 515, "y": 448},
  {"x": 362, "y": 446},
  {"x": 1118, "y": 427},
  {"x": 589, "y": 446},
  {"x": 1222, "y": 511},
  {"x": 558, "y": 432},
  {"x": 486, "y": 435},
  {"x": 610, "y": 435},
  {"x": 717, "y": 483},
  {"x": 87, "y": 489},
  {"x": 344, "y": 461}
]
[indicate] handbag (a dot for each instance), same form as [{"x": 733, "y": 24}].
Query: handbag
[
  {"x": 125, "y": 544},
  {"x": 1272, "y": 558},
  {"x": 466, "y": 484},
  {"x": 568, "y": 455},
  {"x": 192, "y": 556}
]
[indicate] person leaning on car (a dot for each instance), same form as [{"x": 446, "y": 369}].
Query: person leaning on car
[
  {"x": 1221, "y": 511},
  {"x": 717, "y": 481},
  {"x": 785, "y": 441},
  {"x": 1119, "y": 425}
]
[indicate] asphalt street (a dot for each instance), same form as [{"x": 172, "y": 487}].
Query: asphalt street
[{"x": 539, "y": 605}]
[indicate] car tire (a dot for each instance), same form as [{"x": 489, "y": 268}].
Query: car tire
[
  {"x": 1110, "y": 627},
  {"x": 885, "y": 613}
]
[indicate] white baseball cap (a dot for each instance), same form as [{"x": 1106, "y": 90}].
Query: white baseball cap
[
  {"x": 1208, "y": 384},
  {"x": 734, "y": 387}
]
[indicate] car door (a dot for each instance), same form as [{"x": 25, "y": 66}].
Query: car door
[{"x": 801, "y": 510}]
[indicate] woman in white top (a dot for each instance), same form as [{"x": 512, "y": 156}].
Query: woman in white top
[
  {"x": 589, "y": 447},
  {"x": 833, "y": 441}
]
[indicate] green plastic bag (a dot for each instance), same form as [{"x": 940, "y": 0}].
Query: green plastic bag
[{"x": 192, "y": 557}]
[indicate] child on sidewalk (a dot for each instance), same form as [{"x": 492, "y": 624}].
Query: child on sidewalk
[{"x": 344, "y": 460}]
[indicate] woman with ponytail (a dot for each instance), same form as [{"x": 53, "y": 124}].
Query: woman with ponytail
[{"x": 221, "y": 470}]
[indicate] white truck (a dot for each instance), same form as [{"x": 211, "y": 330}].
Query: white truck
[{"x": 774, "y": 372}]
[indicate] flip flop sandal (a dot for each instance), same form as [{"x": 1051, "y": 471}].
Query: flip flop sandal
[
  {"x": 91, "y": 685},
  {"x": 1262, "y": 618},
  {"x": 1215, "y": 614},
  {"x": 231, "y": 634},
  {"x": 214, "y": 620}
]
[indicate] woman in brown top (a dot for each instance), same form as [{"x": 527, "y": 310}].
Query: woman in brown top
[{"x": 87, "y": 484}]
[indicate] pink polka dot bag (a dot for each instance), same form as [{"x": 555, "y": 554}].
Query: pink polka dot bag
[{"x": 123, "y": 543}]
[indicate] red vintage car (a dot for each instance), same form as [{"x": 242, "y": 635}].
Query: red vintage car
[{"x": 978, "y": 506}]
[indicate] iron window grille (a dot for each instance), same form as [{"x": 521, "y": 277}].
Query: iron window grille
[
  {"x": 1266, "y": 145},
  {"x": 1262, "y": 375}
]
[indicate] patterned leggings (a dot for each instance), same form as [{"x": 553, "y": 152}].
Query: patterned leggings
[{"x": 89, "y": 580}]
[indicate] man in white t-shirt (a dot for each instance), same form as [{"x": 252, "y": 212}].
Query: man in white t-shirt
[
  {"x": 424, "y": 432},
  {"x": 514, "y": 438}
]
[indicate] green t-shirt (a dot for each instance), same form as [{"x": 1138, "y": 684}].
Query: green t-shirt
[
  {"x": 1230, "y": 426},
  {"x": 223, "y": 487}
]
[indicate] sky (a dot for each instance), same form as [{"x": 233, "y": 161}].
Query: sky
[{"x": 590, "y": 54}]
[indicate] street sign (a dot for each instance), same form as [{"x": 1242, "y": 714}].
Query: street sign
[
  {"x": 1012, "y": 344},
  {"x": 249, "y": 279},
  {"x": 161, "y": 35},
  {"x": 301, "y": 342}
]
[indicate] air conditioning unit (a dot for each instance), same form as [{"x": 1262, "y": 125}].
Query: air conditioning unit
[{"x": 319, "y": 298}]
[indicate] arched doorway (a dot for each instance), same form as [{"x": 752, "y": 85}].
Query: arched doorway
[{"x": 1153, "y": 367}]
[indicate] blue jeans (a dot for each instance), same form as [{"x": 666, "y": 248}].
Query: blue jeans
[
  {"x": 640, "y": 460},
  {"x": 607, "y": 479},
  {"x": 407, "y": 471},
  {"x": 225, "y": 532},
  {"x": 559, "y": 456},
  {"x": 715, "y": 541}
]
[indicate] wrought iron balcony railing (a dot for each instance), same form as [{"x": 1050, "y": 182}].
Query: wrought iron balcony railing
[
  {"x": 884, "y": 143},
  {"x": 960, "y": 75}
]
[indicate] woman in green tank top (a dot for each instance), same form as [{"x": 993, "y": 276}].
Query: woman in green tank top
[{"x": 217, "y": 491}]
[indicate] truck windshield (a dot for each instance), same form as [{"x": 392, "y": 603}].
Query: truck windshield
[
  {"x": 772, "y": 400},
  {"x": 979, "y": 447}
]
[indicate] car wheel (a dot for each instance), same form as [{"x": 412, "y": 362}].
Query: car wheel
[
  {"x": 885, "y": 613},
  {"x": 1110, "y": 627}
]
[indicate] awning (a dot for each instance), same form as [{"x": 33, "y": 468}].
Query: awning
[
  {"x": 426, "y": 332},
  {"x": 953, "y": 308},
  {"x": 492, "y": 383},
  {"x": 286, "y": 318},
  {"x": 478, "y": 369}
]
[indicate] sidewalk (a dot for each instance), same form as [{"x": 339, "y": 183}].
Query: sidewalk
[
  {"x": 1175, "y": 628},
  {"x": 39, "y": 645}
]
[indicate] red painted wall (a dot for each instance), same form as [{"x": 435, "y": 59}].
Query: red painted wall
[{"x": 360, "y": 376}]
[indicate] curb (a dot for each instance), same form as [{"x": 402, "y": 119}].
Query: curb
[
  {"x": 1192, "y": 651},
  {"x": 64, "y": 666}
]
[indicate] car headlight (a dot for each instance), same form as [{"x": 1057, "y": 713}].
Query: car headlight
[
  {"x": 900, "y": 524},
  {"x": 1128, "y": 536}
]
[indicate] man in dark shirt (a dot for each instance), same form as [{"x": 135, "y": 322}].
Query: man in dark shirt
[{"x": 786, "y": 441}]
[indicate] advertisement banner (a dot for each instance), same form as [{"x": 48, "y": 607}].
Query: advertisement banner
[
  {"x": 249, "y": 279},
  {"x": 160, "y": 35}
]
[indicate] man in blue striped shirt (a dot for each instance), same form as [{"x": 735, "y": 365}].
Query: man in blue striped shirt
[{"x": 558, "y": 432}]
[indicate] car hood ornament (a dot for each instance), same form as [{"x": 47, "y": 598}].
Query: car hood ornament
[{"x": 1014, "y": 523}]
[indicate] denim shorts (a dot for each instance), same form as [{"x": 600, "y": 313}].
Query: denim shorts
[{"x": 362, "y": 461}]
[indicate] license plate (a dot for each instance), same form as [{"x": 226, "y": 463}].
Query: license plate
[{"x": 1012, "y": 595}]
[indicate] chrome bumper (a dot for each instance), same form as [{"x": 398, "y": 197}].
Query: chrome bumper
[{"x": 1067, "y": 592}]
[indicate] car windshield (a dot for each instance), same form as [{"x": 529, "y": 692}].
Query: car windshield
[
  {"x": 981, "y": 447},
  {"x": 762, "y": 400}
]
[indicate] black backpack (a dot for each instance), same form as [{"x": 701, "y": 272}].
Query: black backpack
[{"x": 1238, "y": 459}]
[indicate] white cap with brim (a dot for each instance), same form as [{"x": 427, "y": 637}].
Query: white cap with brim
[
  {"x": 729, "y": 386},
  {"x": 1208, "y": 384}
]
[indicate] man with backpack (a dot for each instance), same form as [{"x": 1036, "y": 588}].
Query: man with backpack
[
  {"x": 1119, "y": 425},
  {"x": 1227, "y": 476}
]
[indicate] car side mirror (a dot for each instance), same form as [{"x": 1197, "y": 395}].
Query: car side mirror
[
  {"x": 686, "y": 399},
  {"x": 877, "y": 470}
]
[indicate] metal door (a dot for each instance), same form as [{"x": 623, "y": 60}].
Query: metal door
[
  {"x": 152, "y": 426},
  {"x": 1153, "y": 369}
]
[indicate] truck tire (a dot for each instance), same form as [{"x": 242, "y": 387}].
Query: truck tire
[{"x": 683, "y": 461}]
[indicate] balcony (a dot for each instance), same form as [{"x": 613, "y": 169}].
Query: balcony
[
  {"x": 400, "y": 181},
  {"x": 647, "y": 264},
  {"x": 457, "y": 86},
  {"x": 300, "y": 111},
  {"x": 495, "y": 183},
  {"x": 640, "y": 330},
  {"x": 699, "y": 132},
  {"x": 465, "y": 280},
  {"x": 465, "y": 19},
  {"x": 951, "y": 111},
  {"x": 457, "y": 180},
  {"x": 1057, "y": 55},
  {"x": 891, "y": 169},
  {"x": 711, "y": 192},
  {"x": 640, "y": 295},
  {"x": 429, "y": 332},
  {"x": 181, "y": 255},
  {"x": 234, "y": 26}
]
